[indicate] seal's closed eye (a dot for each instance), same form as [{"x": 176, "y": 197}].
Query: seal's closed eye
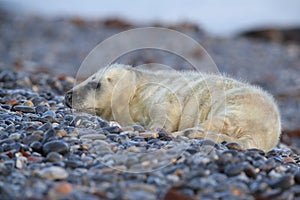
[
  {"x": 98, "y": 85},
  {"x": 94, "y": 85}
]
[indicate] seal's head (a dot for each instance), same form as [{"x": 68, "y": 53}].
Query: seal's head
[
  {"x": 82, "y": 96},
  {"x": 94, "y": 95}
]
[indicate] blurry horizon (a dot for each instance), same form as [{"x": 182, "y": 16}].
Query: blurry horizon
[{"x": 225, "y": 18}]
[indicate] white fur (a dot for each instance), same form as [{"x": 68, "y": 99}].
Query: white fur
[{"x": 186, "y": 103}]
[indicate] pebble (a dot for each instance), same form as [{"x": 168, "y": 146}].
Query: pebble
[
  {"x": 15, "y": 136},
  {"x": 53, "y": 173},
  {"x": 94, "y": 136},
  {"x": 149, "y": 134},
  {"x": 28, "y": 103},
  {"x": 233, "y": 169},
  {"x": 54, "y": 157},
  {"x": 113, "y": 129},
  {"x": 40, "y": 109},
  {"x": 297, "y": 177},
  {"x": 36, "y": 146},
  {"x": 58, "y": 146},
  {"x": 284, "y": 182},
  {"x": 146, "y": 187},
  {"x": 12, "y": 102},
  {"x": 127, "y": 128},
  {"x": 20, "y": 162},
  {"x": 63, "y": 188},
  {"x": 234, "y": 146},
  {"x": 50, "y": 115},
  {"x": 289, "y": 159},
  {"x": 250, "y": 171},
  {"x": 173, "y": 178},
  {"x": 138, "y": 128},
  {"x": 61, "y": 133},
  {"x": 49, "y": 135},
  {"x": 25, "y": 109}
]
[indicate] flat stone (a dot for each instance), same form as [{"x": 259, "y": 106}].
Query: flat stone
[
  {"x": 54, "y": 173},
  {"x": 25, "y": 109},
  {"x": 94, "y": 136}
]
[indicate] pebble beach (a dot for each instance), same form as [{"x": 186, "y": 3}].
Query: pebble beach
[{"x": 48, "y": 151}]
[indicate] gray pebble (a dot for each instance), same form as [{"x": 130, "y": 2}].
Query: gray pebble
[
  {"x": 36, "y": 146},
  {"x": 297, "y": 177},
  {"x": 233, "y": 169},
  {"x": 6, "y": 192},
  {"x": 40, "y": 109},
  {"x": 54, "y": 157},
  {"x": 284, "y": 182},
  {"x": 58, "y": 146},
  {"x": 49, "y": 135},
  {"x": 32, "y": 138},
  {"x": 113, "y": 129},
  {"x": 50, "y": 114},
  {"x": 267, "y": 165},
  {"x": 25, "y": 109},
  {"x": 138, "y": 128},
  {"x": 5, "y": 106}
]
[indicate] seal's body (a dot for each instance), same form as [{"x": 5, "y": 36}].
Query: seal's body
[{"x": 187, "y": 103}]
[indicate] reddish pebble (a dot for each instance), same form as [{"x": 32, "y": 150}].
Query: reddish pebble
[
  {"x": 12, "y": 102},
  {"x": 178, "y": 172},
  {"x": 237, "y": 192},
  {"x": 34, "y": 159},
  {"x": 289, "y": 159},
  {"x": 63, "y": 188}
]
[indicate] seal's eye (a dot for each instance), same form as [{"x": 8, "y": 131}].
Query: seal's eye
[
  {"x": 98, "y": 85},
  {"x": 94, "y": 85}
]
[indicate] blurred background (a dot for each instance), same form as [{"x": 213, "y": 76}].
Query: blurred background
[
  {"x": 258, "y": 41},
  {"x": 222, "y": 18}
]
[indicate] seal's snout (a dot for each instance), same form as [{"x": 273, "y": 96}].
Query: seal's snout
[{"x": 68, "y": 99}]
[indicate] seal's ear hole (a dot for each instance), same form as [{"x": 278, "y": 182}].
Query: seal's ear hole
[{"x": 109, "y": 79}]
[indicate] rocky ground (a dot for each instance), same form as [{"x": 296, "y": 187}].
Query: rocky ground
[{"x": 50, "y": 152}]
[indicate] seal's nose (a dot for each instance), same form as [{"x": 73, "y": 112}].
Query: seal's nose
[{"x": 68, "y": 99}]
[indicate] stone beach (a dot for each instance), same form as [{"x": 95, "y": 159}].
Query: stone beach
[{"x": 48, "y": 151}]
